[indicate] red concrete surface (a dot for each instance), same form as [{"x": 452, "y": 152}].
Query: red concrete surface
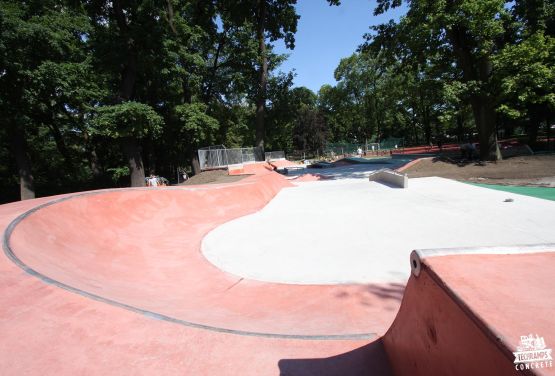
[
  {"x": 141, "y": 248},
  {"x": 138, "y": 252},
  {"x": 464, "y": 315}
]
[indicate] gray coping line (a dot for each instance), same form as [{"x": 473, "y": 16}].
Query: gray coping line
[
  {"x": 487, "y": 250},
  {"x": 154, "y": 315},
  {"x": 419, "y": 256}
]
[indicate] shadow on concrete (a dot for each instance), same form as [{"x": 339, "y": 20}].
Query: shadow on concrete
[
  {"x": 370, "y": 359},
  {"x": 392, "y": 291}
]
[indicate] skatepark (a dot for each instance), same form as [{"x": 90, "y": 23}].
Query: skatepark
[
  {"x": 292, "y": 188},
  {"x": 274, "y": 274}
]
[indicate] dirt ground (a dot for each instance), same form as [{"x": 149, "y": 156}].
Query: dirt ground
[
  {"x": 532, "y": 170},
  {"x": 212, "y": 177}
]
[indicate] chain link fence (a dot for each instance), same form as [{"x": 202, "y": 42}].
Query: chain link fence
[
  {"x": 219, "y": 156},
  {"x": 274, "y": 155},
  {"x": 369, "y": 148}
]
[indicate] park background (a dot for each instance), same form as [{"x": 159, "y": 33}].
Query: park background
[{"x": 97, "y": 94}]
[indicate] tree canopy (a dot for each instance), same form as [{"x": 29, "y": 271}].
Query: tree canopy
[{"x": 98, "y": 93}]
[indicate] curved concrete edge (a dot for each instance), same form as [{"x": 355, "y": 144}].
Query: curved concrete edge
[
  {"x": 10, "y": 254},
  {"x": 418, "y": 257}
]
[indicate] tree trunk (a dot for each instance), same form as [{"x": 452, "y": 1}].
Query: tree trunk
[
  {"x": 129, "y": 71},
  {"x": 460, "y": 128},
  {"x": 132, "y": 150},
  {"x": 484, "y": 116},
  {"x": 415, "y": 131},
  {"x": 439, "y": 135},
  {"x": 26, "y": 180},
  {"x": 195, "y": 163},
  {"x": 93, "y": 163},
  {"x": 130, "y": 144},
  {"x": 377, "y": 119},
  {"x": 61, "y": 145},
  {"x": 427, "y": 126},
  {"x": 425, "y": 118},
  {"x": 208, "y": 93},
  {"x": 533, "y": 126},
  {"x": 477, "y": 69},
  {"x": 262, "y": 75},
  {"x": 548, "y": 124},
  {"x": 92, "y": 157}
]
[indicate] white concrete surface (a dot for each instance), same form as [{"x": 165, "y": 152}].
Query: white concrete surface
[{"x": 353, "y": 230}]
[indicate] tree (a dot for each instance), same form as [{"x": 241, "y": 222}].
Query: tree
[
  {"x": 41, "y": 59},
  {"x": 152, "y": 53},
  {"x": 284, "y": 106},
  {"x": 310, "y": 132},
  {"x": 526, "y": 67},
  {"x": 363, "y": 78},
  {"x": 119, "y": 42},
  {"x": 275, "y": 19},
  {"x": 94, "y": 91},
  {"x": 340, "y": 112},
  {"x": 129, "y": 121},
  {"x": 469, "y": 32},
  {"x": 528, "y": 81}
]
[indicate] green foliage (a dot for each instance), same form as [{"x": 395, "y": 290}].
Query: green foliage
[
  {"x": 280, "y": 21},
  {"x": 118, "y": 173},
  {"x": 283, "y": 111},
  {"x": 528, "y": 75},
  {"x": 310, "y": 131},
  {"x": 196, "y": 126},
  {"x": 128, "y": 119}
]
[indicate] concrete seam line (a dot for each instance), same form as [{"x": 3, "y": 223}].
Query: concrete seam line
[{"x": 12, "y": 256}]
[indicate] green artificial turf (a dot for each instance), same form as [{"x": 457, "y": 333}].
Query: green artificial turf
[{"x": 539, "y": 192}]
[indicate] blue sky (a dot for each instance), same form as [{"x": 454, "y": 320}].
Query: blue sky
[{"x": 326, "y": 34}]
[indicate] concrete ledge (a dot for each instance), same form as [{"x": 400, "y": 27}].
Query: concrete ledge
[{"x": 390, "y": 177}]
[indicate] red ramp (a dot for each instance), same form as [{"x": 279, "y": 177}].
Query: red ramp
[{"x": 464, "y": 314}]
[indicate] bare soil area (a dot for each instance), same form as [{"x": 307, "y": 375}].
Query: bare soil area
[
  {"x": 532, "y": 170},
  {"x": 213, "y": 177}
]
